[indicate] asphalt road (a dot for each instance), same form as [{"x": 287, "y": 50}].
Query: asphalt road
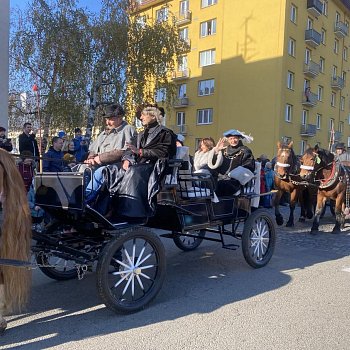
[{"x": 211, "y": 299}]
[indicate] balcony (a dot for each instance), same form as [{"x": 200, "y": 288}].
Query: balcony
[
  {"x": 311, "y": 69},
  {"x": 179, "y": 129},
  {"x": 308, "y": 130},
  {"x": 314, "y": 7},
  {"x": 187, "y": 43},
  {"x": 341, "y": 30},
  {"x": 337, "y": 136},
  {"x": 183, "y": 18},
  {"x": 181, "y": 74},
  {"x": 309, "y": 99},
  {"x": 312, "y": 38},
  {"x": 337, "y": 83},
  {"x": 181, "y": 102},
  {"x": 142, "y": 4}
]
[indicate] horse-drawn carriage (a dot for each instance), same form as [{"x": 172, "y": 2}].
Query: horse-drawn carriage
[{"x": 130, "y": 258}]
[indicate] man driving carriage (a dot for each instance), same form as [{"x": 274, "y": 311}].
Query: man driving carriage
[{"x": 135, "y": 181}]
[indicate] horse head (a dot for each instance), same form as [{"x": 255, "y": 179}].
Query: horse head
[
  {"x": 286, "y": 161},
  {"x": 313, "y": 161}
]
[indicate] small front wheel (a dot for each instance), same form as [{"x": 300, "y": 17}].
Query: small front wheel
[
  {"x": 131, "y": 270},
  {"x": 187, "y": 243},
  {"x": 258, "y": 238}
]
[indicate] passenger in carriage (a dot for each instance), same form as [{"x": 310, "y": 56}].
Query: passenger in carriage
[
  {"x": 340, "y": 153},
  {"x": 228, "y": 154},
  {"x": 201, "y": 157}
]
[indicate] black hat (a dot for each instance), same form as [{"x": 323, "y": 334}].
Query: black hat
[
  {"x": 340, "y": 145},
  {"x": 2, "y": 128},
  {"x": 77, "y": 130},
  {"x": 114, "y": 110}
]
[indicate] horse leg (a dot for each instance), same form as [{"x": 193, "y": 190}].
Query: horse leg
[
  {"x": 302, "y": 202},
  {"x": 339, "y": 216},
  {"x": 3, "y": 323},
  {"x": 319, "y": 207},
  {"x": 276, "y": 203}
]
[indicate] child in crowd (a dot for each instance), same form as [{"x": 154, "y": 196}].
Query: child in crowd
[
  {"x": 69, "y": 162},
  {"x": 36, "y": 212},
  {"x": 26, "y": 168}
]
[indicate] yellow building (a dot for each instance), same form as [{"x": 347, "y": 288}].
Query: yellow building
[{"x": 276, "y": 69}]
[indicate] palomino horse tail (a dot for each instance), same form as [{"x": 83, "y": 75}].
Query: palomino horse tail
[{"x": 15, "y": 238}]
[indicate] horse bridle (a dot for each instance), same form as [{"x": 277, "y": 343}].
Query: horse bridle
[
  {"x": 292, "y": 167},
  {"x": 311, "y": 168}
]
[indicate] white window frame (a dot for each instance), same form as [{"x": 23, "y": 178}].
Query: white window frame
[
  {"x": 331, "y": 124},
  {"x": 290, "y": 80},
  {"x": 348, "y": 141},
  {"x": 180, "y": 118},
  {"x": 184, "y": 7},
  {"x": 334, "y": 71},
  {"x": 291, "y": 47},
  {"x": 336, "y": 46},
  {"x": 320, "y": 93},
  {"x": 333, "y": 98},
  {"x": 183, "y": 33},
  {"x": 304, "y": 116},
  {"x": 207, "y": 57},
  {"x": 160, "y": 95},
  {"x": 303, "y": 145},
  {"x": 323, "y": 36},
  {"x": 206, "y": 87},
  {"x": 308, "y": 53},
  {"x": 341, "y": 127},
  {"x": 342, "y": 103},
  {"x": 345, "y": 53},
  {"x": 208, "y": 28},
  {"x": 162, "y": 14},
  {"x": 206, "y": 3},
  {"x": 309, "y": 23},
  {"x": 204, "y": 116},
  {"x": 343, "y": 76},
  {"x": 325, "y": 7},
  {"x": 293, "y": 13},
  {"x": 322, "y": 64},
  {"x": 288, "y": 114},
  {"x": 181, "y": 90},
  {"x": 337, "y": 17},
  {"x": 318, "y": 121},
  {"x": 182, "y": 64}
]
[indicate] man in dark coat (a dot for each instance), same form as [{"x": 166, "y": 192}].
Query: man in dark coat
[
  {"x": 27, "y": 141},
  {"x": 228, "y": 154},
  {"x": 53, "y": 158},
  {"x": 5, "y": 143}
]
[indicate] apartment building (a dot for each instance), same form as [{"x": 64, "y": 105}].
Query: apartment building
[{"x": 276, "y": 69}]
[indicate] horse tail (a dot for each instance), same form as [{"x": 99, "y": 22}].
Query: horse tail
[{"x": 15, "y": 238}]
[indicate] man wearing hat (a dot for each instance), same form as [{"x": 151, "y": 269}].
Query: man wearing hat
[
  {"x": 228, "y": 154},
  {"x": 107, "y": 148},
  {"x": 340, "y": 152},
  {"x": 5, "y": 143}
]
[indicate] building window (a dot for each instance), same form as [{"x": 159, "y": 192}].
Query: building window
[
  {"x": 304, "y": 116},
  {"x": 337, "y": 17},
  {"x": 208, "y": 28},
  {"x": 318, "y": 121},
  {"x": 320, "y": 93},
  {"x": 333, "y": 96},
  {"x": 162, "y": 14},
  {"x": 206, "y": 87},
  {"x": 345, "y": 53},
  {"x": 334, "y": 71},
  {"x": 160, "y": 95},
  {"x": 204, "y": 116},
  {"x": 291, "y": 47},
  {"x": 183, "y": 34},
  {"x": 310, "y": 23},
  {"x": 180, "y": 118},
  {"x": 342, "y": 103},
  {"x": 307, "y": 56},
  {"x": 302, "y": 146},
  {"x": 325, "y": 7},
  {"x": 290, "y": 80},
  {"x": 322, "y": 64},
  {"x": 206, "y": 3},
  {"x": 184, "y": 7},
  {"x": 341, "y": 127},
  {"x": 293, "y": 13},
  {"x": 182, "y": 65},
  {"x": 288, "y": 113},
  {"x": 323, "y": 36},
  {"x": 331, "y": 124},
  {"x": 306, "y": 84},
  {"x": 181, "y": 90},
  {"x": 343, "y": 76},
  {"x": 336, "y": 46},
  {"x": 207, "y": 58},
  {"x": 141, "y": 21},
  {"x": 348, "y": 141}
]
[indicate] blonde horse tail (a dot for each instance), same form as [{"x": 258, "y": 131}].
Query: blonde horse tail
[{"x": 15, "y": 237}]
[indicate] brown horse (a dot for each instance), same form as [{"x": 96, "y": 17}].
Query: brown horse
[
  {"x": 15, "y": 238},
  {"x": 286, "y": 169},
  {"x": 320, "y": 167}
]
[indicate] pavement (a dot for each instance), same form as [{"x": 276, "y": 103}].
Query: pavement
[{"x": 211, "y": 299}]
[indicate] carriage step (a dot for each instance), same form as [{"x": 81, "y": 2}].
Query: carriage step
[
  {"x": 231, "y": 246},
  {"x": 167, "y": 235}
]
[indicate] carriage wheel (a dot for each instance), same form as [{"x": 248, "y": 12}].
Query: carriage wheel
[
  {"x": 189, "y": 243},
  {"x": 131, "y": 270},
  {"x": 258, "y": 238},
  {"x": 59, "y": 269}
]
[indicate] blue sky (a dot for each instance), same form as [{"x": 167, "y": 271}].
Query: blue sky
[{"x": 92, "y": 5}]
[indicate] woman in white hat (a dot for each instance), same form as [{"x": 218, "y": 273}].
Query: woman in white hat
[{"x": 228, "y": 154}]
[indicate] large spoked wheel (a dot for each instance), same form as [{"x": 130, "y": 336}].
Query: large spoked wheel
[
  {"x": 258, "y": 238},
  {"x": 55, "y": 267},
  {"x": 131, "y": 270},
  {"x": 189, "y": 243}
]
